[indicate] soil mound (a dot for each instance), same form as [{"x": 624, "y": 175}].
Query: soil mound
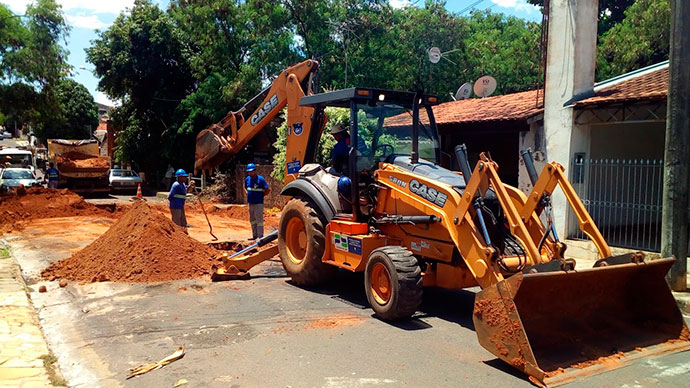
[
  {"x": 78, "y": 160},
  {"x": 39, "y": 202},
  {"x": 144, "y": 245}
]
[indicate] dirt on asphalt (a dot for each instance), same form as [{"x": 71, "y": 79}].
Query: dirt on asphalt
[
  {"x": 38, "y": 202},
  {"x": 144, "y": 245}
]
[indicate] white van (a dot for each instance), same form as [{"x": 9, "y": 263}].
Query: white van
[{"x": 18, "y": 158}]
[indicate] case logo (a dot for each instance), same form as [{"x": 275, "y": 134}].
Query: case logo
[
  {"x": 263, "y": 111},
  {"x": 429, "y": 193}
]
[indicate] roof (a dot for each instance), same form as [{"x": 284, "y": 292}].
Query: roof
[
  {"x": 515, "y": 106},
  {"x": 647, "y": 84}
]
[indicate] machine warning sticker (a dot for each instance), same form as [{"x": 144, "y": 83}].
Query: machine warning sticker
[
  {"x": 354, "y": 245},
  {"x": 293, "y": 167},
  {"x": 297, "y": 129},
  {"x": 340, "y": 242}
]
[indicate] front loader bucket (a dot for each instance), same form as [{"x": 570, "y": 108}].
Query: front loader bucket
[{"x": 560, "y": 326}]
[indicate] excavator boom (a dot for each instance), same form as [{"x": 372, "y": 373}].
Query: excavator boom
[{"x": 225, "y": 138}]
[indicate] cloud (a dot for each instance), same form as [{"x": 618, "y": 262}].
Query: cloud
[
  {"x": 103, "y": 98},
  {"x": 82, "y": 21},
  {"x": 92, "y": 6},
  {"x": 399, "y": 3},
  {"x": 521, "y": 5}
]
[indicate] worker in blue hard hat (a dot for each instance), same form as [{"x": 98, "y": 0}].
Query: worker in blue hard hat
[
  {"x": 177, "y": 197},
  {"x": 256, "y": 188}
]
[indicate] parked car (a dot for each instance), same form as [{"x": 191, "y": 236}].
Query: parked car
[
  {"x": 121, "y": 179},
  {"x": 6, "y": 135},
  {"x": 11, "y": 178}
]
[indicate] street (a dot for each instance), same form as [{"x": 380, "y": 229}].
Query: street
[{"x": 265, "y": 332}]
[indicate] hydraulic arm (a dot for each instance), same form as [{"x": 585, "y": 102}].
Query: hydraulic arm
[{"x": 225, "y": 138}]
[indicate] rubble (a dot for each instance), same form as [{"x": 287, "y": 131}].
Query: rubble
[
  {"x": 79, "y": 160},
  {"x": 144, "y": 245},
  {"x": 39, "y": 202}
]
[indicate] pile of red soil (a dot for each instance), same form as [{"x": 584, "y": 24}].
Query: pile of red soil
[
  {"x": 78, "y": 160},
  {"x": 142, "y": 246},
  {"x": 38, "y": 202}
]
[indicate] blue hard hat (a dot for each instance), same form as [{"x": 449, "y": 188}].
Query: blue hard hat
[
  {"x": 251, "y": 167},
  {"x": 344, "y": 186},
  {"x": 181, "y": 172}
]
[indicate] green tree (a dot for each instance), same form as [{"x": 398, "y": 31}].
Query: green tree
[
  {"x": 233, "y": 46},
  {"x": 611, "y": 12},
  {"x": 78, "y": 113},
  {"x": 505, "y": 48},
  {"x": 32, "y": 61},
  {"x": 143, "y": 61},
  {"x": 326, "y": 141},
  {"x": 640, "y": 40}
]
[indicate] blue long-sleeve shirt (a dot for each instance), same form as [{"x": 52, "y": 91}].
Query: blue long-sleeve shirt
[{"x": 177, "y": 196}]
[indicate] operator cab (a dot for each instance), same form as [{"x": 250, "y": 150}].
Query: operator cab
[{"x": 385, "y": 126}]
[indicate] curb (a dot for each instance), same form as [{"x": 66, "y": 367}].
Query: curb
[{"x": 683, "y": 301}]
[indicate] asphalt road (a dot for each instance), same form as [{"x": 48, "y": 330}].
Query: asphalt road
[{"x": 266, "y": 332}]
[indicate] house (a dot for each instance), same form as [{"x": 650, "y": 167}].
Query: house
[{"x": 617, "y": 166}]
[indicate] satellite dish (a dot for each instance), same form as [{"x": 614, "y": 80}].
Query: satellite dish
[
  {"x": 485, "y": 86},
  {"x": 434, "y": 54},
  {"x": 464, "y": 92}
]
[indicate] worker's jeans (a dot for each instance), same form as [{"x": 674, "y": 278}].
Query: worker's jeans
[
  {"x": 52, "y": 184},
  {"x": 179, "y": 217},
  {"x": 256, "y": 219}
]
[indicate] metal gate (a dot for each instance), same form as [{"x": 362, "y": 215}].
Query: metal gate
[{"x": 623, "y": 196}]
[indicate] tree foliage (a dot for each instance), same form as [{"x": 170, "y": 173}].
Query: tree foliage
[
  {"x": 143, "y": 61},
  {"x": 640, "y": 39},
  {"x": 32, "y": 63},
  {"x": 226, "y": 51},
  {"x": 77, "y": 116},
  {"x": 611, "y": 12}
]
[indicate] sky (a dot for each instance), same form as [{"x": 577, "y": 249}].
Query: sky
[{"x": 87, "y": 16}]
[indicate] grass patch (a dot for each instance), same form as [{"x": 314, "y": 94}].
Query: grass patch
[
  {"x": 4, "y": 252},
  {"x": 55, "y": 377}
]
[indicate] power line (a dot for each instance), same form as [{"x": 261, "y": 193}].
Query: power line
[{"x": 469, "y": 7}]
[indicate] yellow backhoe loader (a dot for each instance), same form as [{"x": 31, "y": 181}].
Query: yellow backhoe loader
[{"x": 408, "y": 223}]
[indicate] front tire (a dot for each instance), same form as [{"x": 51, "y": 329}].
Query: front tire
[
  {"x": 393, "y": 282},
  {"x": 301, "y": 242}
]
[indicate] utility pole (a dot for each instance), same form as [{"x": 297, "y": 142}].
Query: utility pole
[{"x": 674, "y": 215}]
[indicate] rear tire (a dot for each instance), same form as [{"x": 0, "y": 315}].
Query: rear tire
[
  {"x": 301, "y": 242},
  {"x": 393, "y": 282}
]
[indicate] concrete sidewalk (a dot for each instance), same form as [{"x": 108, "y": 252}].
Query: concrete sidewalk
[{"x": 25, "y": 360}]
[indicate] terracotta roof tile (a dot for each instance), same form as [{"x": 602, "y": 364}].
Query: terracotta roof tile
[
  {"x": 650, "y": 86},
  {"x": 515, "y": 106}
]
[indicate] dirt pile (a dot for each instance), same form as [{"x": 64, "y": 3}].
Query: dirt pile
[
  {"x": 38, "y": 202},
  {"x": 144, "y": 245},
  {"x": 78, "y": 160}
]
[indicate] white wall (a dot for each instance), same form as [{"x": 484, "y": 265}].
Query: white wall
[{"x": 570, "y": 72}]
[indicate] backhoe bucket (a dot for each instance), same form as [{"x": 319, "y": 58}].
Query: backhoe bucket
[
  {"x": 560, "y": 326},
  {"x": 209, "y": 150}
]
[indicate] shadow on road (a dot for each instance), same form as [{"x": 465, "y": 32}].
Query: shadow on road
[{"x": 451, "y": 306}]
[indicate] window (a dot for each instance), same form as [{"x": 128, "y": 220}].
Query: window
[
  {"x": 17, "y": 174},
  {"x": 386, "y": 129}
]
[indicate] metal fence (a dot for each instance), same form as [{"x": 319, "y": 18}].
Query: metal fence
[{"x": 624, "y": 199}]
